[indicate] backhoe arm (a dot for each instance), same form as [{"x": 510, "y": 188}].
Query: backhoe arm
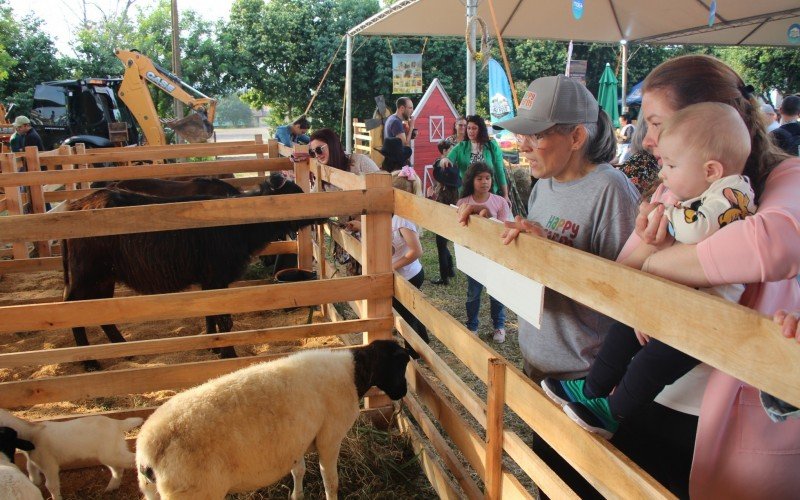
[{"x": 140, "y": 69}]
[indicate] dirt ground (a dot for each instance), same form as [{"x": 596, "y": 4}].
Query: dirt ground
[{"x": 89, "y": 483}]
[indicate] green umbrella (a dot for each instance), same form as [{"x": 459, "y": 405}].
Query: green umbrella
[{"x": 607, "y": 94}]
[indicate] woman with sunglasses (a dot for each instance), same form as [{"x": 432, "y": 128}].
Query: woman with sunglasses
[{"x": 326, "y": 147}]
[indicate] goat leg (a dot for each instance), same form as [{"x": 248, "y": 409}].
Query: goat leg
[
  {"x": 79, "y": 332},
  {"x": 224, "y": 325}
]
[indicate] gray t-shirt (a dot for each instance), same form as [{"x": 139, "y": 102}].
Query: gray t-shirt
[
  {"x": 596, "y": 214},
  {"x": 392, "y": 127}
]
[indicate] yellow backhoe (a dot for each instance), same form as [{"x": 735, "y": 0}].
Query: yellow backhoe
[{"x": 133, "y": 91}]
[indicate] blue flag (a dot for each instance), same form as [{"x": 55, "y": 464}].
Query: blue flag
[{"x": 501, "y": 106}]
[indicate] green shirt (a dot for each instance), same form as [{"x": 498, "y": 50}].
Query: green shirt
[{"x": 492, "y": 155}]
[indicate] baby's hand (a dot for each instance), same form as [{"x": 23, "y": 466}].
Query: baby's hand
[
  {"x": 790, "y": 326},
  {"x": 485, "y": 213},
  {"x": 643, "y": 338}
]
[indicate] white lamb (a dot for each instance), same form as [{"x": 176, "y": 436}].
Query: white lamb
[
  {"x": 250, "y": 428},
  {"x": 86, "y": 438},
  {"x": 14, "y": 485}
]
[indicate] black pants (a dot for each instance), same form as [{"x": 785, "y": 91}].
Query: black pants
[
  {"x": 406, "y": 314},
  {"x": 638, "y": 372},
  {"x": 445, "y": 258}
]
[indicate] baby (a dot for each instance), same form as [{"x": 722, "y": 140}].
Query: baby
[{"x": 702, "y": 166}]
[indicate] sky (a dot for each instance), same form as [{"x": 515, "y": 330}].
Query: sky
[{"x": 61, "y": 16}]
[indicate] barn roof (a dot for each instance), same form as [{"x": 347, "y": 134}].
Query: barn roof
[{"x": 435, "y": 84}]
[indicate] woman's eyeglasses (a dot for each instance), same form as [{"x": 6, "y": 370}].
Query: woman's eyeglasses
[
  {"x": 534, "y": 138},
  {"x": 313, "y": 152}
]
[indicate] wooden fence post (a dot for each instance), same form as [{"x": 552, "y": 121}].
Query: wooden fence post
[
  {"x": 260, "y": 155},
  {"x": 272, "y": 149},
  {"x": 14, "y": 205},
  {"x": 376, "y": 258},
  {"x": 305, "y": 252},
  {"x": 322, "y": 263},
  {"x": 37, "y": 195},
  {"x": 496, "y": 389},
  {"x": 80, "y": 149}
]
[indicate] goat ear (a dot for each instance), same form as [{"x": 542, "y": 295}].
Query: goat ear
[{"x": 24, "y": 444}]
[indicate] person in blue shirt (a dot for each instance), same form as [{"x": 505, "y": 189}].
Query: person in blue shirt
[{"x": 297, "y": 132}]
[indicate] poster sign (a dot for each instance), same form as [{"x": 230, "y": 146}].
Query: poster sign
[
  {"x": 406, "y": 73},
  {"x": 577, "y": 9},
  {"x": 577, "y": 70},
  {"x": 793, "y": 33}
]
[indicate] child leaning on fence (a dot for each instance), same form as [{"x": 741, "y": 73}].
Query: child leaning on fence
[
  {"x": 702, "y": 168},
  {"x": 476, "y": 191}
]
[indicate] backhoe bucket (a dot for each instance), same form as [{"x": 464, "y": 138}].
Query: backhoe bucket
[{"x": 192, "y": 128}]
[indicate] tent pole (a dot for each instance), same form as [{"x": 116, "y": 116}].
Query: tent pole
[
  {"x": 624, "y": 44},
  {"x": 472, "y": 10},
  {"x": 348, "y": 93}
]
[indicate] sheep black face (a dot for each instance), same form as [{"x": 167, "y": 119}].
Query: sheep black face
[
  {"x": 9, "y": 443},
  {"x": 382, "y": 364}
]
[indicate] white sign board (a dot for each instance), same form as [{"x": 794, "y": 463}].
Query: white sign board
[{"x": 517, "y": 292}]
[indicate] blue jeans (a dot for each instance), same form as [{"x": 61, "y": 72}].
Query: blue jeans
[{"x": 498, "y": 310}]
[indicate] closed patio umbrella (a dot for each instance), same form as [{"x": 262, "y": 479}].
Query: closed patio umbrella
[{"x": 608, "y": 94}]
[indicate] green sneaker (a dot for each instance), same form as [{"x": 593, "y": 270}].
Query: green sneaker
[
  {"x": 594, "y": 415},
  {"x": 564, "y": 392}
]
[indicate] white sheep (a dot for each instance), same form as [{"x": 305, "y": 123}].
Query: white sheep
[
  {"x": 14, "y": 485},
  {"x": 86, "y": 438},
  {"x": 250, "y": 428}
]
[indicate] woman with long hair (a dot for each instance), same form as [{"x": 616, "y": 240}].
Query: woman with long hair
[
  {"x": 479, "y": 147},
  {"x": 739, "y": 452},
  {"x": 326, "y": 147}
]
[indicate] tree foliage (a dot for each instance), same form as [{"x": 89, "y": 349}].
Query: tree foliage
[
  {"x": 231, "y": 110},
  {"x": 28, "y": 57}
]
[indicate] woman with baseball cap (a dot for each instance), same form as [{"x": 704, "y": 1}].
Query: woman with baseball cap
[{"x": 579, "y": 200}]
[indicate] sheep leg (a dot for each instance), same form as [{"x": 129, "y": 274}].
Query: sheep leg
[
  {"x": 328, "y": 456},
  {"x": 298, "y": 472},
  {"x": 51, "y": 479},
  {"x": 116, "y": 478},
  {"x": 34, "y": 473},
  {"x": 113, "y": 333},
  {"x": 223, "y": 323}
]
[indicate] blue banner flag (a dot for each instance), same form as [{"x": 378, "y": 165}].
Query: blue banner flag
[{"x": 501, "y": 105}]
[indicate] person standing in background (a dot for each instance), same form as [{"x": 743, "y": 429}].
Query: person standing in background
[
  {"x": 24, "y": 136},
  {"x": 401, "y": 123}
]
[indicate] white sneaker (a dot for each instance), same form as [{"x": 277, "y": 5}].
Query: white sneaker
[{"x": 499, "y": 335}]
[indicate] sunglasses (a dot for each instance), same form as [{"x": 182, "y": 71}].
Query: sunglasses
[{"x": 313, "y": 152}]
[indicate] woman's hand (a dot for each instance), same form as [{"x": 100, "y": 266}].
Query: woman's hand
[
  {"x": 520, "y": 225},
  {"x": 298, "y": 157},
  {"x": 652, "y": 229},
  {"x": 790, "y": 324},
  {"x": 354, "y": 226},
  {"x": 643, "y": 338}
]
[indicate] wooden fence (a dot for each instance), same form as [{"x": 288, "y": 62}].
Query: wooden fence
[{"x": 689, "y": 320}]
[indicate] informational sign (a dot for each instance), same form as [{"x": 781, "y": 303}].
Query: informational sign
[
  {"x": 793, "y": 33},
  {"x": 517, "y": 292},
  {"x": 577, "y": 9},
  {"x": 406, "y": 73},
  {"x": 577, "y": 70}
]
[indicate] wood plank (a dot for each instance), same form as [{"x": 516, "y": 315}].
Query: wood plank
[
  {"x": 97, "y": 312},
  {"x": 544, "y": 477},
  {"x": 304, "y": 250},
  {"x": 37, "y": 196},
  {"x": 197, "y": 169},
  {"x": 495, "y": 389},
  {"x": 117, "y": 155},
  {"x": 350, "y": 243},
  {"x": 344, "y": 180},
  {"x": 3, "y": 204},
  {"x": 440, "y": 481},
  {"x": 122, "y": 382},
  {"x": 607, "y": 469},
  {"x": 210, "y": 213},
  {"x": 689, "y": 320},
  {"x": 192, "y": 342},
  {"x": 30, "y": 265},
  {"x": 462, "y": 435},
  {"x": 14, "y": 203},
  {"x": 439, "y": 444}
]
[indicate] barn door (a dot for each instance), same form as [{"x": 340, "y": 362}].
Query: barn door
[{"x": 436, "y": 128}]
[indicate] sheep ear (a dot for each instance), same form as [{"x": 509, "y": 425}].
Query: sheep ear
[{"x": 24, "y": 444}]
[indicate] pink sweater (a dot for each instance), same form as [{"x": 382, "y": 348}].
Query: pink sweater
[{"x": 740, "y": 452}]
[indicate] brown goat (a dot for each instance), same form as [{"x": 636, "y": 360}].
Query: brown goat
[{"x": 166, "y": 261}]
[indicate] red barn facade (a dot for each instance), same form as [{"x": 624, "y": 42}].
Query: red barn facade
[{"x": 435, "y": 117}]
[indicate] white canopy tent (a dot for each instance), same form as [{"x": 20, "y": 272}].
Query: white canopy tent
[{"x": 737, "y": 22}]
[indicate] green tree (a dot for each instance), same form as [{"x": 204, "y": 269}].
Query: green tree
[
  {"x": 231, "y": 110},
  {"x": 765, "y": 68},
  {"x": 28, "y": 58}
]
